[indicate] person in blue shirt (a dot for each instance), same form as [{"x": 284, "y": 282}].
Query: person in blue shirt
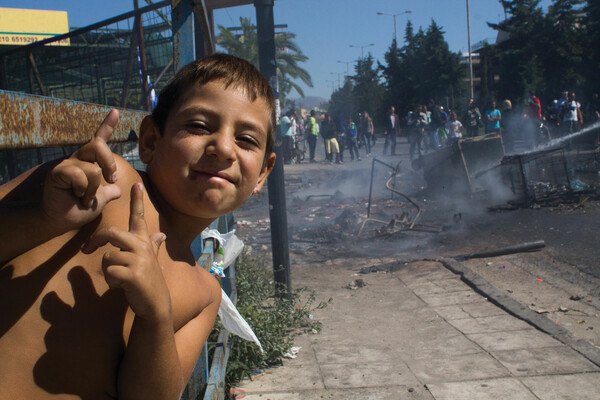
[
  {"x": 350, "y": 130},
  {"x": 492, "y": 118}
]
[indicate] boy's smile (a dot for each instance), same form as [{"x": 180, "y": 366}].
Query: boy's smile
[{"x": 211, "y": 156}]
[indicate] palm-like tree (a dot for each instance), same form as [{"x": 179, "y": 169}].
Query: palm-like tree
[{"x": 288, "y": 55}]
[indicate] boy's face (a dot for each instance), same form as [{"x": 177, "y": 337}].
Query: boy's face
[{"x": 211, "y": 155}]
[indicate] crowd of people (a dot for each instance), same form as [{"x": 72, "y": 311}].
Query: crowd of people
[
  {"x": 431, "y": 126},
  {"x": 297, "y": 134}
]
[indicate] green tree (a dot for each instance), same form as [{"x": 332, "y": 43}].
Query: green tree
[
  {"x": 342, "y": 104},
  {"x": 367, "y": 90},
  {"x": 288, "y": 56},
  {"x": 590, "y": 39},
  {"x": 422, "y": 69},
  {"x": 442, "y": 75},
  {"x": 391, "y": 72},
  {"x": 563, "y": 53},
  {"x": 516, "y": 60}
]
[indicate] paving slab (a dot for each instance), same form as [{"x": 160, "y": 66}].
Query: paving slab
[
  {"x": 367, "y": 375},
  {"x": 444, "y": 345},
  {"x": 469, "y": 310},
  {"x": 440, "y": 286},
  {"x": 544, "y": 361},
  {"x": 292, "y": 379},
  {"x": 457, "y": 368},
  {"x": 496, "y": 323},
  {"x": 565, "y": 387},
  {"x": 489, "y": 389},
  {"x": 513, "y": 340},
  {"x": 334, "y": 353},
  {"x": 396, "y": 393},
  {"x": 446, "y": 298}
]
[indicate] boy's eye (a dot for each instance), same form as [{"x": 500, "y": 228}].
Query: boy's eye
[
  {"x": 248, "y": 140},
  {"x": 198, "y": 126}
]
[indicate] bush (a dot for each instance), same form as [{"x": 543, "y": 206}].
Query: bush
[{"x": 274, "y": 320}]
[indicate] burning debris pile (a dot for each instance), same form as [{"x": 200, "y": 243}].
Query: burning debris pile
[
  {"x": 549, "y": 195},
  {"x": 544, "y": 178},
  {"x": 343, "y": 228}
]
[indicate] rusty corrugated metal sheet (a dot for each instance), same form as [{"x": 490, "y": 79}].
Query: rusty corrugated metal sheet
[{"x": 28, "y": 121}]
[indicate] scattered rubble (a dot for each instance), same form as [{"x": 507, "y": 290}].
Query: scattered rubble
[{"x": 356, "y": 284}]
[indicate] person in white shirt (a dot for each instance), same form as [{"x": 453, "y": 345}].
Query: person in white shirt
[{"x": 454, "y": 129}]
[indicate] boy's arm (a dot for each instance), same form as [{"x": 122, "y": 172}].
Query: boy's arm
[
  {"x": 157, "y": 361},
  {"x": 59, "y": 196}
]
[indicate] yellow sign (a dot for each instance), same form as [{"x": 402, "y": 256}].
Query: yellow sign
[{"x": 21, "y": 27}]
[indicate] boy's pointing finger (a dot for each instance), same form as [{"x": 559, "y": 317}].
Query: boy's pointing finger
[
  {"x": 137, "y": 222},
  {"x": 97, "y": 150},
  {"x": 107, "y": 127}
]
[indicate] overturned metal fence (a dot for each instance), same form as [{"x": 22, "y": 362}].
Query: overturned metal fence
[{"x": 534, "y": 176}]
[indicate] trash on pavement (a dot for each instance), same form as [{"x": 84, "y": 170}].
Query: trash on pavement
[{"x": 356, "y": 284}]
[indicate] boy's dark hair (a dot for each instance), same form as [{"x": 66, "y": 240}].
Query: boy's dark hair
[{"x": 232, "y": 71}]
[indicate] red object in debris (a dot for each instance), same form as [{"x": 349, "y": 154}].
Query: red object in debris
[
  {"x": 540, "y": 280},
  {"x": 238, "y": 393}
]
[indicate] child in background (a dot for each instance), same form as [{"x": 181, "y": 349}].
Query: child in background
[
  {"x": 350, "y": 132},
  {"x": 453, "y": 129}
]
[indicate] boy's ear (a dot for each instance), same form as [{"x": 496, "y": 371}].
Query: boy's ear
[
  {"x": 149, "y": 134},
  {"x": 265, "y": 171}
]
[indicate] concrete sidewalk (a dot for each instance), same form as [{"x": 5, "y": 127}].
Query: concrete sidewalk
[{"x": 419, "y": 332}]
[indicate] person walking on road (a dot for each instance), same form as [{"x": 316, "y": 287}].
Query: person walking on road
[
  {"x": 366, "y": 131},
  {"x": 286, "y": 128},
  {"x": 332, "y": 148},
  {"x": 392, "y": 129},
  {"x": 312, "y": 131},
  {"x": 351, "y": 140}
]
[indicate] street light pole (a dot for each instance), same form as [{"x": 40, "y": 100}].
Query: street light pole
[
  {"x": 338, "y": 77},
  {"x": 347, "y": 66},
  {"x": 394, "y": 16},
  {"x": 332, "y": 85},
  {"x": 469, "y": 48},
  {"x": 362, "y": 54}
]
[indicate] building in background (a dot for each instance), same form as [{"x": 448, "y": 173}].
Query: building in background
[{"x": 20, "y": 27}]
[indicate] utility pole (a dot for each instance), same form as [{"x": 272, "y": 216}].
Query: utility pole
[
  {"x": 276, "y": 181},
  {"x": 470, "y": 57}
]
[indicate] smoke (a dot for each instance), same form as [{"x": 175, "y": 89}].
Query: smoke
[
  {"x": 354, "y": 183},
  {"x": 495, "y": 188}
]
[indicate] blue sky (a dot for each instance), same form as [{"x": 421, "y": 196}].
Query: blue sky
[{"x": 325, "y": 29}]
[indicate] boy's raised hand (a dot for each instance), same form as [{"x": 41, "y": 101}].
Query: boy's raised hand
[
  {"x": 135, "y": 268},
  {"x": 73, "y": 194}
]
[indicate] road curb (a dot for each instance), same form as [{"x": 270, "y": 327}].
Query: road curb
[{"x": 520, "y": 311}]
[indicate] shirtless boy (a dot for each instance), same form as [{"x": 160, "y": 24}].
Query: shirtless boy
[{"x": 93, "y": 306}]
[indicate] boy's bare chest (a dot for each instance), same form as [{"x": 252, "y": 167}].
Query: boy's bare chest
[{"x": 64, "y": 326}]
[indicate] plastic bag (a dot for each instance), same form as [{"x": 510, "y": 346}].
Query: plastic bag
[
  {"x": 234, "y": 322},
  {"x": 232, "y": 247}
]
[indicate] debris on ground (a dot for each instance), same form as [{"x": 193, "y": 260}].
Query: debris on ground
[
  {"x": 292, "y": 352},
  {"x": 356, "y": 284}
]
